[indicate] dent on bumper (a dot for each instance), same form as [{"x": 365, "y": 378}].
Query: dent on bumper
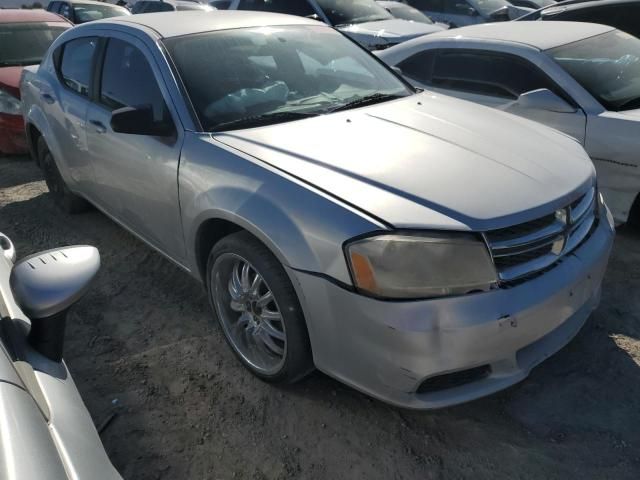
[{"x": 387, "y": 349}]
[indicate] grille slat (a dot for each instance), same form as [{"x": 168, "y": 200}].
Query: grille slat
[{"x": 524, "y": 249}]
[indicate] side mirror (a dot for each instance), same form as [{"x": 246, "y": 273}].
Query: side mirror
[
  {"x": 139, "y": 121},
  {"x": 397, "y": 69},
  {"x": 45, "y": 285},
  {"x": 544, "y": 99},
  {"x": 7, "y": 249},
  {"x": 313, "y": 16}
]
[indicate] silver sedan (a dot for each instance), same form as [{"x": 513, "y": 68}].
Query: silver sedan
[{"x": 337, "y": 219}]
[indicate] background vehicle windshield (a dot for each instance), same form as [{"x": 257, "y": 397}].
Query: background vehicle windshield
[
  {"x": 276, "y": 73},
  {"x": 409, "y": 13},
  {"x": 607, "y": 66},
  {"x": 487, "y": 7},
  {"x": 347, "y": 12},
  {"x": 26, "y": 43},
  {"x": 88, "y": 12}
]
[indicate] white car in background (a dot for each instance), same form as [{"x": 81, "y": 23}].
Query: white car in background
[
  {"x": 580, "y": 78},
  {"x": 407, "y": 12},
  {"x": 364, "y": 21}
]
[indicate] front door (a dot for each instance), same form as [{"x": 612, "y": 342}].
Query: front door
[{"x": 136, "y": 176}]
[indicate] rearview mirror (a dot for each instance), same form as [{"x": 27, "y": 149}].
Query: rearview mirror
[
  {"x": 45, "y": 285},
  {"x": 544, "y": 99},
  {"x": 139, "y": 121}
]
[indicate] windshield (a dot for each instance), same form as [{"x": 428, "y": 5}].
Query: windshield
[
  {"x": 253, "y": 76},
  {"x": 348, "y": 12},
  {"x": 26, "y": 43},
  {"x": 409, "y": 13},
  {"x": 88, "y": 12},
  {"x": 607, "y": 66},
  {"x": 487, "y": 7}
]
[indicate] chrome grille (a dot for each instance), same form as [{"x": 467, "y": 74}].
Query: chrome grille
[{"x": 527, "y": 248}]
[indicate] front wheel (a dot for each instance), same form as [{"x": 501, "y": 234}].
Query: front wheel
[{"x": 258, "y": 309}]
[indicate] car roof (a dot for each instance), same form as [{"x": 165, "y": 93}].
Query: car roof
[
  {"x": 580, "y": 4},
  {"x": 540, "y": 35},
  {"x": 175, "y": 24},
  {"x": 25, "y": 16}
]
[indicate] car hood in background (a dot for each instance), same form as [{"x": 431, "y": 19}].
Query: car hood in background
[
  {"x": 385, "y": 32},
  {"x": 10, "y": 80},
  {"x": 428, "y": 161}
]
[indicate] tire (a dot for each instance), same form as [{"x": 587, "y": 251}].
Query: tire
[
  {"x": 62, "y": 196},
  {"x": 244, "y": 317},
  {"x": 41, "y": 149}
]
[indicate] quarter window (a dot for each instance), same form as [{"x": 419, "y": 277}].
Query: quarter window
[
  {"x": 128, "y": 80},
  {"x": 65, "y": 10},
  {"x": 76, "y": 63}
]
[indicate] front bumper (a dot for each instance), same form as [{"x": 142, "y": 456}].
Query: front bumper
[
  {"x": 12, "y": 137},
  {"x": 388, "y": 349}
]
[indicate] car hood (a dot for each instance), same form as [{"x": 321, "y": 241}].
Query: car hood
[
  {"x": 10, "y": 80},
  {"x": 388, "y": 31},
  {"x": 428, "y": 161}
]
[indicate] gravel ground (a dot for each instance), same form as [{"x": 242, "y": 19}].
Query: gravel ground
[{"x": 186, "y": 409}]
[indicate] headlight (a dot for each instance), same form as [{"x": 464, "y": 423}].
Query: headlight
[
  {"x": 9, "y": 104},
  {"x": 420, "y": 265}
]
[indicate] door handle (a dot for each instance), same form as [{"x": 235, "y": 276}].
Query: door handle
[
  {"x": 47, "y": 98},
  {"x": 99, "y": 126}
]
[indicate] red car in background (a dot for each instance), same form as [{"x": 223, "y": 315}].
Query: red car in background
[{"x": 25, "y": 36}]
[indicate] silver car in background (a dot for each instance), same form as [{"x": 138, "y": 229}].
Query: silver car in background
[
  {"x": 46, "y": 431},
  {"x": 338, "y": 219}
]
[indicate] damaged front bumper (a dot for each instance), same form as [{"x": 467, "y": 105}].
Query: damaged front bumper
[{"x": 435, "y": 353}]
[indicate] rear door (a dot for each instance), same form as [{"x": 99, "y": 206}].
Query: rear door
[
  {"x": 493, "y": 79},
  {"x": 136, "y": 176},
  {"x": 66, "y": 106}
]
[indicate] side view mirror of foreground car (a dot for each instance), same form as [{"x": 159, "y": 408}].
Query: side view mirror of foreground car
[
  {"x": 45, "y": 285},
  {"x": 139, "y": 121},
  {"x": 544, "y": 99},
  {"x": 7, "y": 249}
]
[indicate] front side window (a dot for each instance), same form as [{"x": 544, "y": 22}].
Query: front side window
[
  {"x": 76, "y": 64},
  {"x": 128, "y": 80},
  {"x": 26, "y": 43},
  {"x": 348, "y": 12},
  {"x": 263, "y": 75},
  {"x": 88, "y": 12},
  {"x": 481, "y": 73},
  {"x": 300, "y": 8},
  {"x": 607, "y": 66}
]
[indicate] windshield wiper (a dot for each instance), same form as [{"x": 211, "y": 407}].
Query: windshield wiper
[
  {"x": 261, "y": 120},
  {"x": 366, "y": 100}
]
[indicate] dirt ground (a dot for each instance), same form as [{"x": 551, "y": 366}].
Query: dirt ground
[{"x": 186, "y": 409}]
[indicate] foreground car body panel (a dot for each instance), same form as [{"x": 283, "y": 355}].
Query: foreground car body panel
[
  {"x": 305, "y": 198},
  {"x": 47, "y": 431},
  {"x": 609, "y": 137}
]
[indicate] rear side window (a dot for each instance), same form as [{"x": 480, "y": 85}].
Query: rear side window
[
  {"x": 128, "y": 80},
  {"x": 65, "y": 10},
  {"x": 481, "y": 73},
  {"x": 300, "y": 8},
  {"x": 53, "y": 7},
  {"x": 76, "y": 64}
]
